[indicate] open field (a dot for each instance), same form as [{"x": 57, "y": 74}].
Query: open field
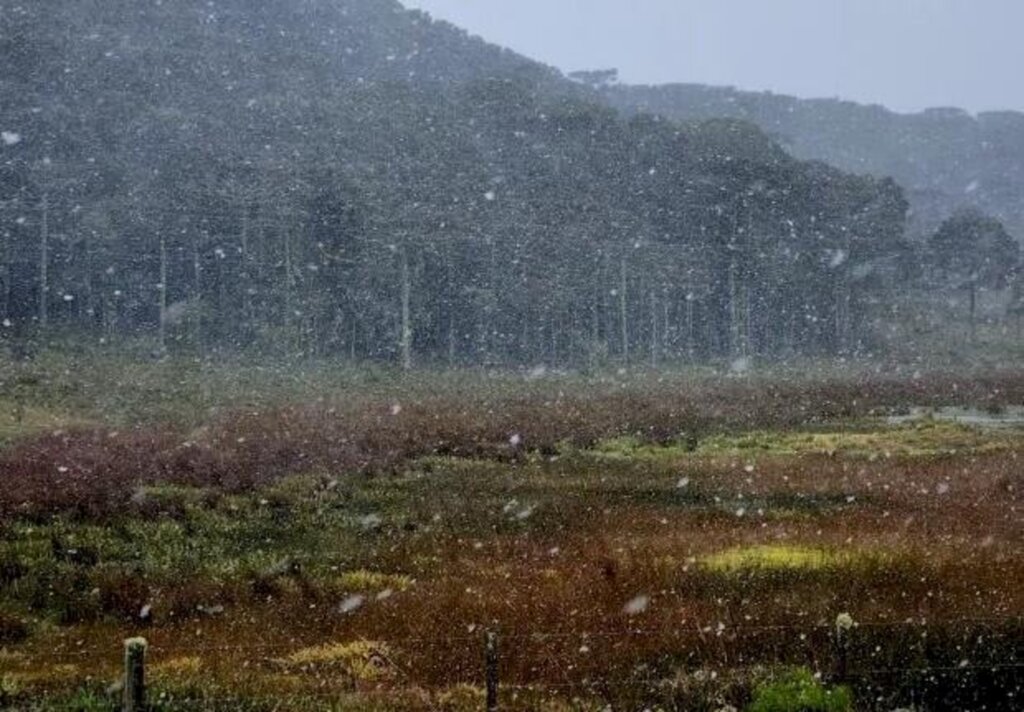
[{"x": 342, "y": 540}]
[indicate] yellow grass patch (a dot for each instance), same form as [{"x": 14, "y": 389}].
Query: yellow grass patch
[
  {"x": 362, "y": 660},
  {"x": 918, "y": 440},
  {"x": 363, "y": 580},
  {"x": 178, "y": 668},
  {"x": 462, "y": 697},
  {"x": 42, "y": 675},
  {"x": 775, "y": 558}
]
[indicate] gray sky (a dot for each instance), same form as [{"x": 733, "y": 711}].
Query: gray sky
[{"x": 905, "y": 54}]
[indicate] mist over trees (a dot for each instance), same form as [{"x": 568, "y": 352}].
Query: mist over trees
[
  {"x": 943, "y": 157},
  {"x": 352, "y": 179}
]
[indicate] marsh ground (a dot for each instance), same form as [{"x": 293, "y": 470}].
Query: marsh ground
[{"x": 673, "y": 542}]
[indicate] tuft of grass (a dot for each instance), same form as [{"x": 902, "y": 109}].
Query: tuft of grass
[
  {"x": 178, "y": 667},
  {"x": 370, "y": 581},
  {"x": 88, "y": 701},
  {"x": 361, "y": 660},
  {"x": 799, "y": 691},
  {"x": 775, "y": 557},
  {"x": 10, "y": 691},
  {"x": 462, "y": 698},
  {"x": 633, "y": 447},
  {"x": 184, "y": 674}
]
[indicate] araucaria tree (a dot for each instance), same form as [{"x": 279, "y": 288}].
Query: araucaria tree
[
  {"x": 321, "y": 183},
  {"x": 973, "y": 251}
]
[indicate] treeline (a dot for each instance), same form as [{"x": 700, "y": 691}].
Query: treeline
[
  {"x": 945, "y": 158},
  {"x": 216, "y": 188}
]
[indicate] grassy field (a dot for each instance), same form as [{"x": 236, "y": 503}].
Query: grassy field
[{"x": 322, "y": 538}]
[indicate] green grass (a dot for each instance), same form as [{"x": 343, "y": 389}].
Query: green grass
[
  {"x": 866, "y": 440},
  {"x": 799, "y": 691},
  {"x": 120, "y": 384},
  {"x": 18, "y": 420}
]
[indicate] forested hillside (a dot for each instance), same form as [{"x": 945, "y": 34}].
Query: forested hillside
[
  {"x": 345, "y": 177},
  {"x": 944, "y": 158}
]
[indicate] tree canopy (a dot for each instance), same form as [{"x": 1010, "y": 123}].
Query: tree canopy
[{"x": 352, "y": 178}]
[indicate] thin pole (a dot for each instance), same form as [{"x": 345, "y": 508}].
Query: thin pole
[{"x": 491, "y": 659}]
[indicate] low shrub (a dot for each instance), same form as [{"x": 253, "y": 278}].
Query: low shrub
[
  {"x": 12, "y": 629},
  {"x": 800, "y": 691}
]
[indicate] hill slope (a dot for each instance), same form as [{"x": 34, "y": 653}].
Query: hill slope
[
  {"x": 344, "y": 176},
  {"x": 944, "y": 158}
]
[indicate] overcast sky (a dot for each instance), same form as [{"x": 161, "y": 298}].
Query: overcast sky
[{"x": 905, "y": 54}]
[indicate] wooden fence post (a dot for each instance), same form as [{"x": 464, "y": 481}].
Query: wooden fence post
[
  {"x": 844, "y": 630},
  {"x": 135, "y": 675},
  {"x": 491, "y": 660}
]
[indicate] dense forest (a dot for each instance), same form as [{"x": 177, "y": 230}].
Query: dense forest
[
  {"x": 349, "y": 178},
  {"x": 945, "y": 158}
]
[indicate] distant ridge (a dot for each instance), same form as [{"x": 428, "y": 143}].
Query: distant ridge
[{"x": 944, "y": 157}]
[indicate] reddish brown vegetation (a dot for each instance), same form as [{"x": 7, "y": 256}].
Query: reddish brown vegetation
[
  {"x": 96, "y": 472},
  {"x": 938, "y": 583}
]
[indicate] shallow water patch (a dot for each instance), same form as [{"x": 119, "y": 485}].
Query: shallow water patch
[{"x": 1003, "y": 417}]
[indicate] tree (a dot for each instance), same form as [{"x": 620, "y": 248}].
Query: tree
[
  {"x": 596, "y": 78},
  {"x": 1016, "y": 308},
  {"x": 974, "y": 251}
]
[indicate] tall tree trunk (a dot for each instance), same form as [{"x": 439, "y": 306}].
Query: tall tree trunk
[
  {"x": 262, "y": 309},
  {"x": 5, "y": 275},
  {"x": 90, "y": 297},
  {"x": 406, "y": 335},
  {"x": 843, "y": 313},
  {"x": 735, "y": 347},
  {"x": 246, "y": 277},
  {"x": 624, "y": 311},
  {"x": 973, "y": 299},
  {"x": 654, "y": 329},
  {"x": 491, "y": 309},
  {"x": 554, "y": 321},
  {"x": 451, "y": 340},
  {"x": 1018, "y": 301},
  {"x": 162, "y": 335},
  {"x": 574, "y": 332},
  {"x": 197, "y": 295},
  {"x": 452, "y": 301},
  {"x": 287, "y": 286},
  {"x": 594, "y": 348},
  {"x": 690, "y": 341},
  {"x": 668, "y": 334},
  {"x": 44, "y": 261},
  {"x": 740, "y": 296}
]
